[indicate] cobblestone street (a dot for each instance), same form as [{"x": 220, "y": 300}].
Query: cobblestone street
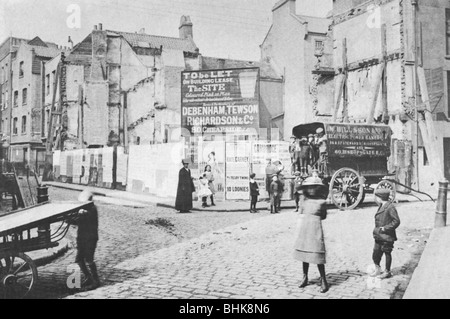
[{"x": 239, "y": 255}]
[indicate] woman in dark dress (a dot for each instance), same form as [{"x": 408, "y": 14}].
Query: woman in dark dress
[{"x": 183, "y": 201}]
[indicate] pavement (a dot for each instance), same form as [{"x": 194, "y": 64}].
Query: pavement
[
  {"x": 431, "y": 279},
  {"x": 136, "y": 199}
]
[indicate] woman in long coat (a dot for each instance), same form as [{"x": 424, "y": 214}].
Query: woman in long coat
[
  {"x": 183, "y": 201},
  {"x": 310, "y": 245}
]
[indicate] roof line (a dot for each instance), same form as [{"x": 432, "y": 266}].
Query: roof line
[{"x": 146, "y": 34}]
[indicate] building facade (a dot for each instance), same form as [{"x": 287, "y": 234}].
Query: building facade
[
  {"x": 22, "y": 108},
  {"x": 391, "y": 58},
  {"x": 294, "y": 46}
]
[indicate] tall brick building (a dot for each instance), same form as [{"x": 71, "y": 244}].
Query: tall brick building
[{"x": 21, "y": 103}]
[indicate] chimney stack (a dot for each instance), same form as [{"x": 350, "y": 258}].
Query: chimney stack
[
  {"x": 100, "y": 26},
  {"x": 95, "y": 27},
  {"x": 186, "y": 27},
  {"x": 71, "y": 42}
]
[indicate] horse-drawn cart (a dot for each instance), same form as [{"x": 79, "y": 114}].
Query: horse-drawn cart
[{"x": 356, "y": 158}]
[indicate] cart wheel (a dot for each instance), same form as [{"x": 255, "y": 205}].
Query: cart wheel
[
  {"x": 387, "y": 185},
  {"x": 346, "y": 188},
  {"x": 18, "y": 274}
]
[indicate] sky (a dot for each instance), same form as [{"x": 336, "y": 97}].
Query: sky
[{"x": 231, "y": 29}]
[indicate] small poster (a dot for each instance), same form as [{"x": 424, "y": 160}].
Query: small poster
[{"x": 237, "y": 170}]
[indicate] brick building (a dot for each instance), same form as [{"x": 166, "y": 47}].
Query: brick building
[{"x": 22, "y": 99}]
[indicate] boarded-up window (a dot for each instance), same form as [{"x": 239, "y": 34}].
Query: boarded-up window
[{"x": 435, "y": 85}]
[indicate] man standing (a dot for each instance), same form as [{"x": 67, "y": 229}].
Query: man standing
[
  {"x": 183, "y": 201},
  {"x": 274, "y": 194},
  {"x": 386, "y": 221},
  {"x": 270, "y": 170},
  {"x": 87, "y": 237}
]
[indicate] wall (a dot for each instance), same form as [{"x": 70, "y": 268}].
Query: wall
[
  {"x": 284, "y": 44},
  {"x": 364, "y": 43}
]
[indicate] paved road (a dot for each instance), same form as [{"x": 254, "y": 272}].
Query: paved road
[
  {"x": 125, "y": 234},
  {"x": 253, "y": 259}
]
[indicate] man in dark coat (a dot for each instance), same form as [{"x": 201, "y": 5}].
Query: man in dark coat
[
  {"x": 87, "y": 237},
  {"x": 386, "y": 221},
  {"x": 186, "y": 187}
]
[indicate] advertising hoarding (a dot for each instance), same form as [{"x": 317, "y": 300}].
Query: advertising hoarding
[{"x": 220, "y": 101}]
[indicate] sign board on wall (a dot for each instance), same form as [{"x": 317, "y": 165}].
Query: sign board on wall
[
  {"x": 349, "y": 140},
  {"x": 237, "y": 170},
  {"x": 220, "y": 101}
]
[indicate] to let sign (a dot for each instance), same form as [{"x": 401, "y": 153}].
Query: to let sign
[{"x": 220, "y": 101}]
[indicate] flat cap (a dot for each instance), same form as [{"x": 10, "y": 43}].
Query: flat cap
[{"x": 383, "y": 193}]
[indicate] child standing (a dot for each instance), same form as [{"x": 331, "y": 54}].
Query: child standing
[
  {"x": 274, "y": 195},
  {"x": 254, "y": 192},
  {"x": 297, "y": 189},
  {"x": 204, "y": 191},
  {"x": 386, "y": 221}
]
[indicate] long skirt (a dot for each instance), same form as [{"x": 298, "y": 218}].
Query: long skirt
[{"x": 310, "y": 245}]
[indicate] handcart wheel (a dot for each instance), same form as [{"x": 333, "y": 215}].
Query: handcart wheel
[
  {"x": 346, "y": 188},
  {"x": 18, "y": 274},
  {"x": 387, "y": 185}
]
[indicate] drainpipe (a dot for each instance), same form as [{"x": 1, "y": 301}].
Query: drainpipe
[
  {"x": 415, "y": 4},
  {"x": 10, "y": 98}
]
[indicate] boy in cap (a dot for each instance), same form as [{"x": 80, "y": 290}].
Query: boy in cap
[
  {"x": 386, "y": 221},
  {"x": 87, "y": 237}
]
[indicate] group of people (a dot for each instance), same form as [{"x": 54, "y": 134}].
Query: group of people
[
  {"x": 309, "y": 152},
  {"x": 310, "y": 196},
  {"x": 309, "y": 247},
  {"x": 186, "y": 187}
]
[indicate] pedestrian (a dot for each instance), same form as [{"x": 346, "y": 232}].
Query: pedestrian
[
  {"x": 204, "y": 192},
  {"x": 313, "y": 151},
  {"x": 386, "y": 221},
  {"x": 304, "y": 155},
  {"x": 280, "y": 180},
  {"x": 274, "y": 194},
  {"x": 87, "y": 238},
  {"x": 270, "y": 170},
  {"x": 254, "y": 193},
  {"x": 309, "y": 246},
  {"x": 297, "y": 189},
  {"x": 183, "y": 201},
  {"x": 210, "y": 178},
  {"x": 321, "y": 144}
]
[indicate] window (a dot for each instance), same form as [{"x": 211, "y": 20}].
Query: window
[
  {"x": 21, "y": 69},
  {"x": 47, "y": 88},
  {"x": 447, "y": 31},
  {"x": 16, "y": 98},
  {"x": 24, "y": 124},
  {"x": 448, "y": 92},
  {"x": 15, "y": 126},
  {"x": 2, "y": 76},
  {"x": 24, "y": 96},
  {"x": 53, "y": 79},
  {"x": 319, "y": 45},
  {"x": 6, "y": 99}
]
